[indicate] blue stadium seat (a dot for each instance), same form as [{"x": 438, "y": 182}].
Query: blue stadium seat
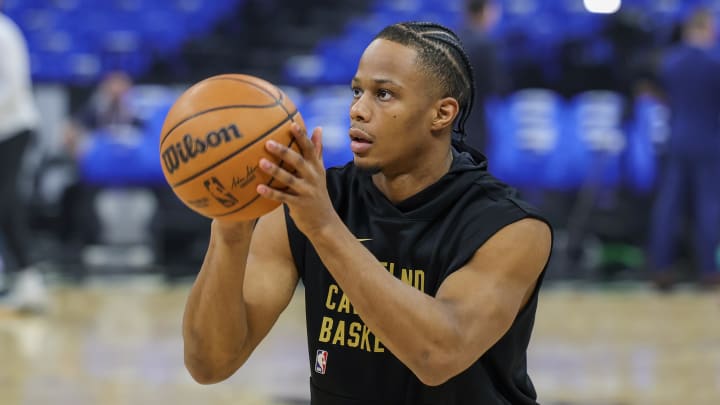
[
  {"x": 526, "y": 132},
  {"x": 121, "y": 160},
  {"x": 162, "y": 29},
  {"x": 151, "y": 102},
  {"x": 303, "y": 70},
  {"x": 340, "y": 58},
  {"x": 596, "y": 129},
  {"x": 329, "y": 107},
  {"x": 122, "y": 34},
  {"x": 397, "y": 7},
  {"x": 364, "y": 28},
  {"x": 32, "y": 19},
  {"x": 521, "y": 7},
  {"x": 131, "y": 158},
  {"x": 123, "y": 50}
]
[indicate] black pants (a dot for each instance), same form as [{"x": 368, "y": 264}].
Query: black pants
[
  {"x": 688, "y": 186},
  {"x": 13, "y": 225}
]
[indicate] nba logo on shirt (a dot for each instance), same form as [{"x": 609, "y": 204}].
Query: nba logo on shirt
[{"x": 321, "y": 361}]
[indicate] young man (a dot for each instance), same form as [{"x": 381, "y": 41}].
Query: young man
[{"x": 421, "y": 271}]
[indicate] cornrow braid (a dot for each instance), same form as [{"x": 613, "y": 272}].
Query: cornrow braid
[{"x": 436, "y": 45}]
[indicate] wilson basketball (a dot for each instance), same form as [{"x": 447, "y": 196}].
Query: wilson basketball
[{"x": 213, "y": 138}]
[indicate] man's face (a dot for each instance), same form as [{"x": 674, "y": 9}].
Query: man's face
[{"x": 392, "y": 107}]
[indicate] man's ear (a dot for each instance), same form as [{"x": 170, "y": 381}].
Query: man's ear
[{"x": 446, "y": 109}]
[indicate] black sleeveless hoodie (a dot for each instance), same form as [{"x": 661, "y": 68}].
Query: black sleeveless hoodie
[{"x": 421, "y": 240}]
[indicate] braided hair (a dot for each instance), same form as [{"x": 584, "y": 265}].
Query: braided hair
[{"x": 436, "y": 45}]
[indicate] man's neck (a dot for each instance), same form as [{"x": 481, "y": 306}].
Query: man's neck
[{"x": 402, "y": 185}]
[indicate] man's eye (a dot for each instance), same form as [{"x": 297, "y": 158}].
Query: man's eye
[
  {"x": 384, "y": 95},
  {"x": 356, "y": 92}
]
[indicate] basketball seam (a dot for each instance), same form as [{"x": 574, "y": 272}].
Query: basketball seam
[
  {"x": 225, "y": 107},
  {"x": 279, "y": 100},
  {"x": 237, "y": 79},
  {"x": 292, "y": 141},
  {"x": 226, "y": 158}
]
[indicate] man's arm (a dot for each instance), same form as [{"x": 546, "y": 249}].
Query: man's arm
[
  {"x": 246, "y": 281},
  {"x": 439, "y": 337}
]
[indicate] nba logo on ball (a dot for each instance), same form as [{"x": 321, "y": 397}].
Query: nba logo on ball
[{"x": 321, "y": 361}]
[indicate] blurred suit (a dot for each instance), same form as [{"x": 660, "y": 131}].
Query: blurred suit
[
  {"x": 491, "y": 77},
  {"x": 491, "y": 80},
  {"x": 690, "y": 182}
]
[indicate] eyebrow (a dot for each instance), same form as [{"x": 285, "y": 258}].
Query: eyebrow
[{"x": 379, "y": 81}]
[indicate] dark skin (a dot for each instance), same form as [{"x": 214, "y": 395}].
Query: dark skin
[{"x": 249, "y": 276}]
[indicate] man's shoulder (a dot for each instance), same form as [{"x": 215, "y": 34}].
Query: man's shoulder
[{"x": 495, "y": 198}]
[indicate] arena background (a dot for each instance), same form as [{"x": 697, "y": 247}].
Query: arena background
[{"x": 119, "y": 254}]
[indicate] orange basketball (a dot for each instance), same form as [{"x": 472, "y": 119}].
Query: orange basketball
[{"x": 213, "y": 139}]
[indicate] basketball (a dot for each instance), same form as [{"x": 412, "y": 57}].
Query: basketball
[{"x": 213, "y": 138}]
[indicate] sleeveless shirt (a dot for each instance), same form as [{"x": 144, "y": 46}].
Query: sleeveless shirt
[{"x": 421, "y": 240}]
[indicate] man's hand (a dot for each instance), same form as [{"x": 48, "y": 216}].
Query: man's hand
[{"x": 304, "y": 175}]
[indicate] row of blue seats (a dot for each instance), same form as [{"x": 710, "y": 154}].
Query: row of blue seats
[
  {"x": 541, "y": 27},
  {"x": 198, "y": 6},
  {"x": 79, "y": 40},
  {"x": 132, "y": 158},
  {"x": 538, "y": 139},
  {"x": 532, "y": 7}
]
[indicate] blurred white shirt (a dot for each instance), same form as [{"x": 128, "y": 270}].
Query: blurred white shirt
[{"x": 17, "y": 106}]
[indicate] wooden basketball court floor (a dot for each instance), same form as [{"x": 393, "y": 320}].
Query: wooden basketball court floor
[{"x": 119, "y": 342}]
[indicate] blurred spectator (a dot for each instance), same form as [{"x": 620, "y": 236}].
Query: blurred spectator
[
  {"x": 107, "y": 110},
  {"x": 490, "y": 76},
  {"x": 18, "y": 120},
  {"x": 634, "y": 54},
  {"x": 690, "y": 78},
  {"x": 106, "y": 113}
]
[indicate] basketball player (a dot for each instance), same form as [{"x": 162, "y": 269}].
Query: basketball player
[{"x": 421, "y": 271}]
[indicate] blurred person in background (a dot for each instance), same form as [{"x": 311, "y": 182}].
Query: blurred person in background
[
  {"x": 18, "y": 121},
  {"x": 491, "y": 78},
  {"x": 107, "y": 109},
  {"x": 690, "y": 80},
  {"x": 106, "y": 113}
]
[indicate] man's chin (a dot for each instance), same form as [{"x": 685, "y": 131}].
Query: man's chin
[{"x": 365, "y": 167}]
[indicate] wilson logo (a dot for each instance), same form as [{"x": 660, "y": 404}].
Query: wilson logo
[{"x": 190, "y": 147}]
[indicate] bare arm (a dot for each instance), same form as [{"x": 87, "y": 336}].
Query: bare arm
[{"x": 246, "y": 281}]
